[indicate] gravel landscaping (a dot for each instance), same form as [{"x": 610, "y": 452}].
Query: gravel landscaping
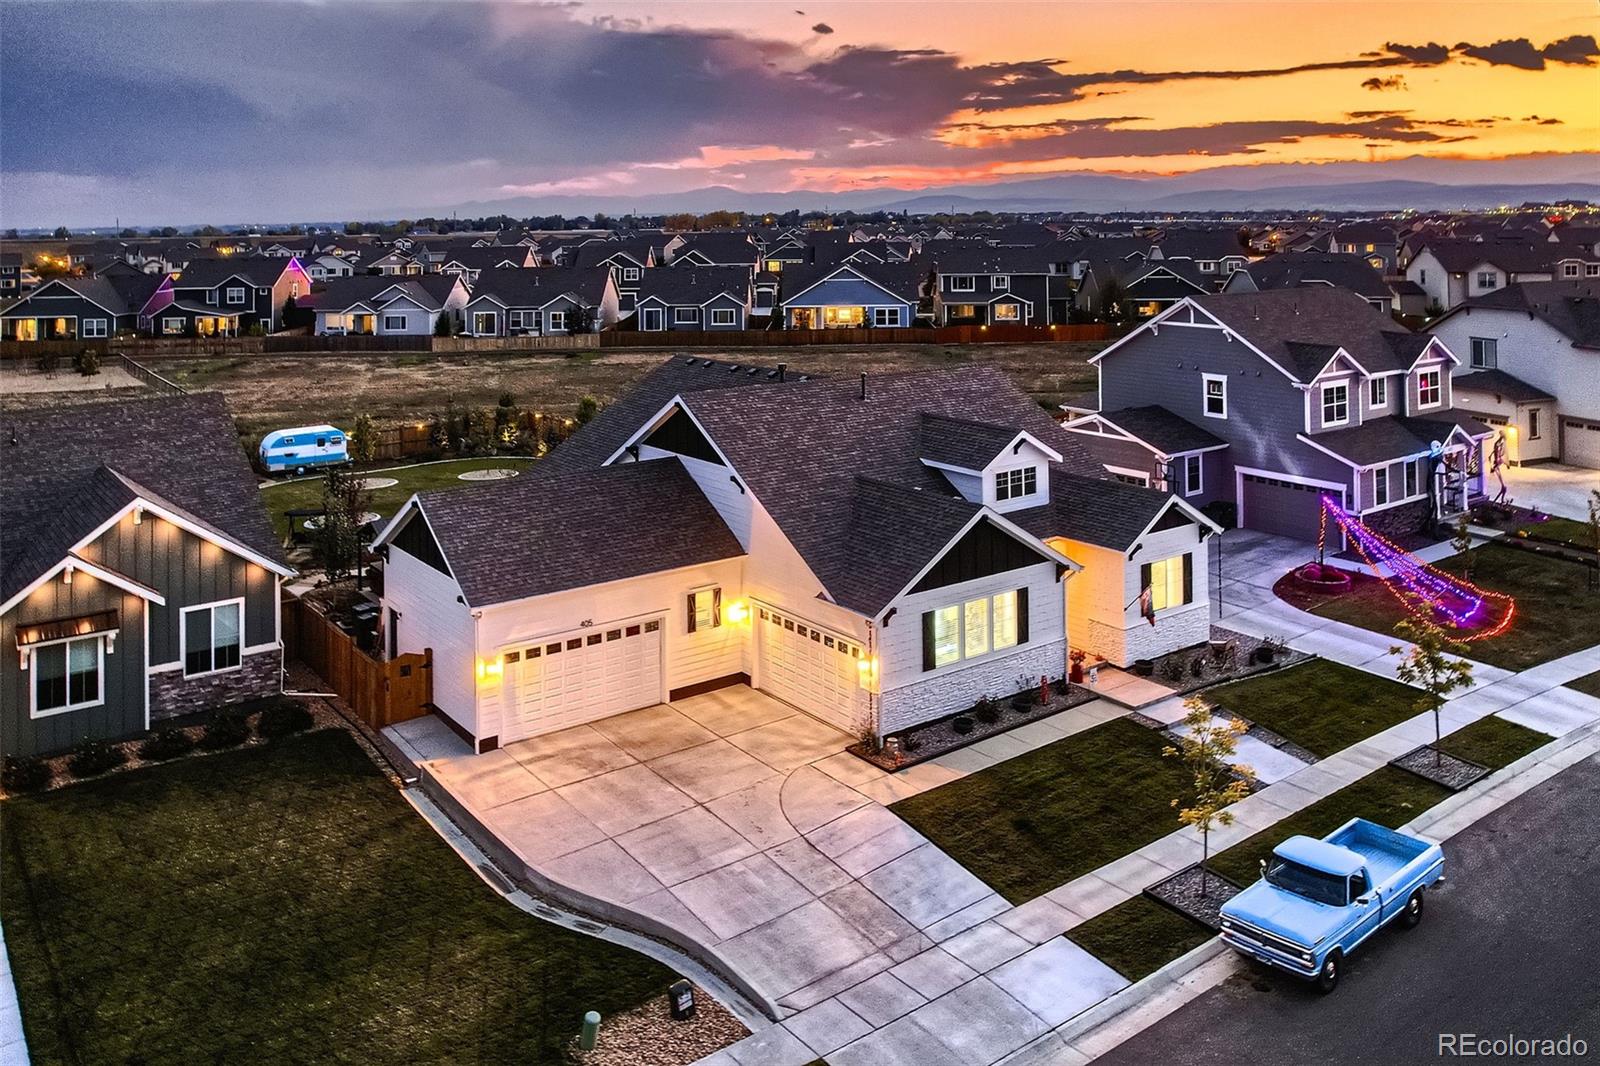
[
  {"x": 647, "y": 1035},
  {"x": 1196, "y": 895},
  {"x": 933, "y": 739},
  {"x": 1228, "y": 656},
  {"x": 1435, "y": 765}
]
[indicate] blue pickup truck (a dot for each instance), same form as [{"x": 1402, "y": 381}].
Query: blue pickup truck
[{"x": 1318, "y": 900}]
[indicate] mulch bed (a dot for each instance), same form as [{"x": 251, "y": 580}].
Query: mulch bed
[
  {"x": 1441, "y": 767},
  {"x": 1182, "y": 892},
  {"x": 933, "y": 739},
  {"x": 647, "y": 1035},
  {"x": 1176, "y": 669}
]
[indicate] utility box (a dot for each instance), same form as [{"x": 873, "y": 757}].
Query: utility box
[{"x": 680, "y": 998}]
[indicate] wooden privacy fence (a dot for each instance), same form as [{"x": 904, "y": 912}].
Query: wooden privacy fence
[
  {"x": 381, "y": 692},
  {"x": 753, "y": 338}
]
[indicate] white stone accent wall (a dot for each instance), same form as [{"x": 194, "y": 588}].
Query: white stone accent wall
[{"x": 952, "y": 689}]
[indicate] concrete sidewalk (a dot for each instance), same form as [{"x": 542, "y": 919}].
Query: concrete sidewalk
[{"x": 13, "y": 1047}]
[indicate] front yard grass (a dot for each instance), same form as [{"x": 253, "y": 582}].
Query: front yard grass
[
  {"x": 1323, "y": 706},
  {"x": 1555, "y": 608},
  {"x": 1139, "y": 936},
  {"x": 1589, "y": 684},
  {"x": 416, "y": 477},
  {"x": 1566, "y": 530},
  {"x": 1035, "y": 822},
  {"x": 280, "y": 904}
]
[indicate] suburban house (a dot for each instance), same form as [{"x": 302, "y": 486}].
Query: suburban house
[
  {"x": 544, "y": 301},
  {"x": 1374, "y": 242},
  {"x": 327, "y": 265},
  {"x": 1137, "y": 287},
  {"x": 715, "y": 248},
  {"x": 1000, "y": 285},
  {"x": 1314, "y": 393},
  {"x": 853, "y": 295},
  {"x": 11, "y": 265},
  {"x": 91, "y": 308},
  {"x": 1452, "y": 270},
  {"x": 139, "y": 575},
  {"x": 878, "y": 553},
  {"x": 693, "y": 298},
  {"x": 1531, "y": 364},
  {"x": 249, "y": 291},
  {"x": 627, "y": 259},
  {"x": 374, "y": 305},
  {"x": 394, "y": 262},
  {"x": 468, "y": 263},
  {"x": 1289, "y": 270}
]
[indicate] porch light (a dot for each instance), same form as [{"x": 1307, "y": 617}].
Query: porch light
[
  {"x": 736, "y": 612},
  {"x": 488, "y": 668},
  {"x": 66, "y": 576},
  {"x": 867, "y": 667},
  {"x": 138, "y": 516}
]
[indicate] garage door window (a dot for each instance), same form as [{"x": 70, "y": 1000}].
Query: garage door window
[
  {"x": 705, "y": 609},
  {"x": 974, "y": 628}
]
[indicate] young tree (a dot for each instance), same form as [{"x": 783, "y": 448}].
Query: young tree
[
  {"x": 1594, "y": 531},
  {"x": 1462, "y": 543},
  {"x": 1207, "y": 749},
  {"x": 1428, "y": 665},
  {"x": 588, "y": 407},
  {"x": 364, "y": 439},
  {"x": 344, "y": 500}
]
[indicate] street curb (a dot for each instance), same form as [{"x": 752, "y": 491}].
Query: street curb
[{"x": 1140, "y": 991}]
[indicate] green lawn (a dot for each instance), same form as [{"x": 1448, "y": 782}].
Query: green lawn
[
  {"x": 1037, "y": 821},
  {"x": 1566, "y": 530},
  {"x": 1138, "y": 936},
  {"x": 417, "y": 477},
  {"x": 1589, "y": 684},
  {"x": 1555, "y": 610},
  {"x": 280, "y": 904},
  {"x": 1323, "y": 706}
]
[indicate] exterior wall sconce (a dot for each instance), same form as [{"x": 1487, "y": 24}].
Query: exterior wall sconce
[
  {"x": 868, "y": 669},
  {"x": 138, "y": 516},
  {"x": 737, "y": 612}
]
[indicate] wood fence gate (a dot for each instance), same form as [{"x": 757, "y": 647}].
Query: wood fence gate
[{"x": 381, "y": 692}]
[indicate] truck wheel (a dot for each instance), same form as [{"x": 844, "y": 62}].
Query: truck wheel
[
  {"x": 1413, "y": 911},
  {"x": 1328, "y": 976}
]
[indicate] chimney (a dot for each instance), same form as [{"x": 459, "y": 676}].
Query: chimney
[
  {"x": 783, "y": 368},
  {"x": 863, "y": 386}
]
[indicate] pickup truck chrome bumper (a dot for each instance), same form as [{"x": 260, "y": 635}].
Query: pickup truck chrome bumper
[{"x": 1242, "y": 942}]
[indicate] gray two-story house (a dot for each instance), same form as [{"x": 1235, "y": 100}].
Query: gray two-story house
[
  {"x": 1269, "y": 401},
  {"x": 1005, "y": 285},
  {"x": 139, "y": 575}
]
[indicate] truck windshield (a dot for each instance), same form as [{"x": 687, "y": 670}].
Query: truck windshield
[{"x": 1304, "y": 881}]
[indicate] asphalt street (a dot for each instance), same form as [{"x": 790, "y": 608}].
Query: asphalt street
[{"x": 1509, "y": 944}]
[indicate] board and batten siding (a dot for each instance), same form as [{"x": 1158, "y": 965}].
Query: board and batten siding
[
  {"x": 188, "y": 571},
  {"x": 910, "y": 694},
  {"x": 123, "y": 684},
  {"x": 432, "y": 617}
]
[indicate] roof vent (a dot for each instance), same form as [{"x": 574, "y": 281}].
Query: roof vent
[
  {"x": 863, "y": 386},
  {"x": 783, "y": 369}
]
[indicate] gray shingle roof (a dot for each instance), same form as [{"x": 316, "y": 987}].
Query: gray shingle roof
[
  {"x": 1295, "y": 327},
  {"x": 538, "y": 286},
  {"x": 1287, "y": 270},
  {"x": 962, "y": 442},
  {"x": 1500, "y": 383},
  {"x": 1572, "y": 308},
  {"x": 902, "y": 278},
  {"x": 1393, "y": 438},
  {"x": 1161, "y": 428},
  {"x": 604, "y": 524},
  {"x": 58, "y": 482},
  {"x": 427, "y": 290},
  {"x": 683, "y": 285}
]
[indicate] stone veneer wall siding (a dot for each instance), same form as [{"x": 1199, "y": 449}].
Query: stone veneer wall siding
[
  {"x": 944, "y": 692},
  {"x": 172, "y": 694},
  {"x": 1399, "y": 521}
]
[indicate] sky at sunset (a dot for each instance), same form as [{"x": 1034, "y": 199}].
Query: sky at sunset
[{"x": 267, "y": 110}]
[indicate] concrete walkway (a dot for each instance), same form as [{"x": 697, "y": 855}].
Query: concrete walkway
[
  {"x": 1553, "y": 488},
  {"x": 13, "y": 1048}
]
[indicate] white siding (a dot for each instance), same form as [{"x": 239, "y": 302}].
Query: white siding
[
  {"x": 912, "y": 695},
  {"x": 1103, "y": 599},
  {"x": 1530, "y": 350},
  {"x": 688, "y": 657},
  {"x": 432, "y": 617}
]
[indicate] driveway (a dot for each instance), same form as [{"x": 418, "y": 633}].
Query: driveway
[
  {"x": 1471, "y": 967},
  {"x": 1559, "y": 490},
  {"x": 740, "y": 829}
]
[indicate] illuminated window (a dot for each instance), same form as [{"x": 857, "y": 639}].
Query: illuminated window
[
  {"x": 1005, "y": 620},
  {"x": 485, "y": 323},
  {"x": 1007, "y": 312},
  {"x": 1168, "y": 584},
  {"x": 1429, "y": 392},
  {"x": 946, "y": 636},
  {"x": 705, "y": 609},
  {"x": 974, "y": 628},
  {"x": 975, "y": 637}
]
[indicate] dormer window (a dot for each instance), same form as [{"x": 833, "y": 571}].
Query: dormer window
[
  {"x": 1015, "y": 484},
  {"x": 1335, "y": 404},
  {"x": 1429, "y": 392}
]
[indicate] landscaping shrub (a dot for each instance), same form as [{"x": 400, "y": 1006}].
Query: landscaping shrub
[
  {"x": 226, "y": 730},
  {"x": 168, "y": 743},
  {"x": 283, "y": 718},
  {"x": 1171, "y": 669},
  {"x": 95, "y": 757},
  {"x": 986, "y": 711},
  {"x": 961, "y": 724},
  {"x": 25, "y": 773},
  {"x": 87, "y": 362},
  {"x": 1197, "y": 666}
]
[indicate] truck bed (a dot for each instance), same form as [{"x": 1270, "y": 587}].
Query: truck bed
[{"x": 1386, "y": 852}]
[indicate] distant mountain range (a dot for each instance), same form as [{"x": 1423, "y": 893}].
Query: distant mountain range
[{"x": 1421, "y": 183}]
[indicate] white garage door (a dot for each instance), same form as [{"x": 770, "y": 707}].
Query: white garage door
[
  {"x": 1580, "y": 445},
  {"x": 578, "y": 677},
  {"x": 815, "y": 669}
]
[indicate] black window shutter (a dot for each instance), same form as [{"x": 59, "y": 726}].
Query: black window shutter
[
  {"x": 1022, "y": 616},
  {"x": 1144, "y": 578},
  {"x": 691, "y": 612},
  {"x": 927, "y": 640},
  {"x": 1188, "y": 577},
  {"x": 716, "y": 607}
]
